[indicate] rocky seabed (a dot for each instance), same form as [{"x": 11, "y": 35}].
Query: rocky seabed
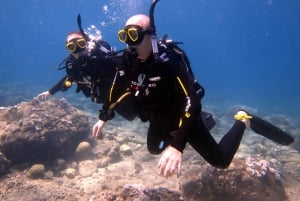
[{"x": 70, "y": 165}]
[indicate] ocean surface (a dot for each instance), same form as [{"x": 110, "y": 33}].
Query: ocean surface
[{"x": 243, "y": 52}]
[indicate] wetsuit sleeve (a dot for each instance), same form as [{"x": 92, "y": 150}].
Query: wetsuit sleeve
[
  {"x": 190, "y": 102},
  {"x": 116, "y": 94},
  {"x": 59, "y": 86},
  {"x": 106, "y": 113}
]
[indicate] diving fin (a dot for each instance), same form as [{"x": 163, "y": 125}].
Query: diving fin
[
  {"x": 208, "y": 120},
  {"x": 270, "y": 131}
]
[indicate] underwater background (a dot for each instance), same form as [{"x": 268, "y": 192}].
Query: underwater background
[
  {"x": 246, "y": 53},
  {"x": 243, "y": 52}
]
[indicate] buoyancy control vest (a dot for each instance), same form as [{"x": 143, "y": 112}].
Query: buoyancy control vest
[
  {"x": 93, "y": 73},
  {"x": 169, "y": 47}
]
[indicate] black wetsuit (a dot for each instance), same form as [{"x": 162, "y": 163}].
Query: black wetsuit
[
  {"x": 93, "y": 74},
  {"x": 166, "y": 96}
]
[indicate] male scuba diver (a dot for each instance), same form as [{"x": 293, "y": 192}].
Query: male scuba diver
[{"x": 167, "y": 95}]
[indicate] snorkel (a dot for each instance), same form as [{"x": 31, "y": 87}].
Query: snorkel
[
  {"x": 154, "y": 40},
  {"x": 82, "y": 57},
  {"x": 86, "y": 37}
]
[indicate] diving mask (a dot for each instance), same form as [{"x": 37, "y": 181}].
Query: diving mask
[
  {"x": 76, "y": 45},
  {"x": 132, "y": 34}
]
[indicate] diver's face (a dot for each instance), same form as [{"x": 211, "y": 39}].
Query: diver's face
[
  {"x": 75, "y": 43},
  {"x": 144, "y": 48},
  {"x": 137, "y": 35}
]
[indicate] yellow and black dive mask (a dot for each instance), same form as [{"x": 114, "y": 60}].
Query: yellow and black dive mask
[
  {"x": 133, "y": 34},
  {"x": 76, "y": 45}
]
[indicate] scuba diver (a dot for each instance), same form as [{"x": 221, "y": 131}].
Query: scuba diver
[
  {"x": 81, "y": 65},
  {"x": 159, "y": 78},
  {"x": 89, "y": 67}
]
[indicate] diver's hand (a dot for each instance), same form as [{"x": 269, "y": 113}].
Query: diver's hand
[
  {"x": 97, "y": 128},
  {"x": 44, "y": 95},
  {"x": 170, "y": 162}
]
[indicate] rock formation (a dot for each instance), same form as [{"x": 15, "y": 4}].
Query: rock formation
[{"x": 38, "y": 131}]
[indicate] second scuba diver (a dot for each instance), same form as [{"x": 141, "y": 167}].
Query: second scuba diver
[{"x": 88, "y": 67}]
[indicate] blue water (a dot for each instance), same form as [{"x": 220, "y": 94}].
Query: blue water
[{"x": 244, "y": 52}]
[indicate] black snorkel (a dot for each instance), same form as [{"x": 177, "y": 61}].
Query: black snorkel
[
  {"x": 152, "y": 27},
  {"x": 86, "y": 37}
]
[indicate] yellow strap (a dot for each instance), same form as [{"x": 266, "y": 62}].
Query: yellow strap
[
  {"x": 111, "y": 106},
  {"x": 181, "y": 84},
  {"x": 110, "y": 92},
  {"x": 187, "y": 114},
  {"x": 180, "y": 123},
  {"x": 112, "y": 86}
]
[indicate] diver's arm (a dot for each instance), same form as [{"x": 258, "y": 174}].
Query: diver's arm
[
  {"x": 60, "y": 86},
  {"x": 106, "y": 113},
  {"x": 170, "y": 161},
  {"x": 192, "y": 107},
  {"x": 64, "y": 84},
  {"x": 114, "y": 97}
]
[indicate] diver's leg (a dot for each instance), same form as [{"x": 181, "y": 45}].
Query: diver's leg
[{"x": 219, "y": 155}]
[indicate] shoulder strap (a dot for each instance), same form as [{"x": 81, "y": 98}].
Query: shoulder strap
[{"x": 169, "y": 46}]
